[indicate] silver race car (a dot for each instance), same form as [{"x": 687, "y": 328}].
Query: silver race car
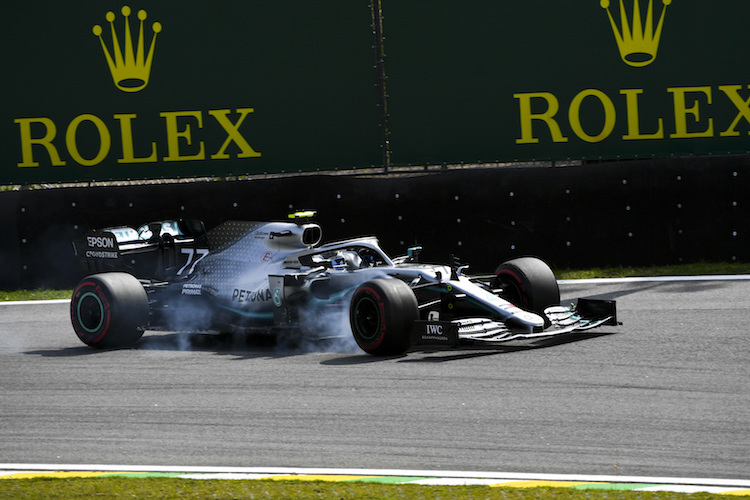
[{"x": 277, "y": 278}]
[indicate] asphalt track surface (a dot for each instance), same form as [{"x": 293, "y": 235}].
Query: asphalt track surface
[{"x": 665, "y": 394}]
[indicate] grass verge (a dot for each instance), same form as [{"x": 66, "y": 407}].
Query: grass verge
[
  {"x": 695, "y": 269},
  {"x": 175, "y": 488},
  {"x": 40, "y": 294}
]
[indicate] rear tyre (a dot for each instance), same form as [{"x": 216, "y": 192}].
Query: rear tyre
[
  {"x": 109, "y": 310},
  {"x": 529, "y": 283},
  {"x": 382, "y": 314}
]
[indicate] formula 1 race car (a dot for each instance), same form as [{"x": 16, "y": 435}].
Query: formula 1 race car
[{"x": 276, "y": 277}]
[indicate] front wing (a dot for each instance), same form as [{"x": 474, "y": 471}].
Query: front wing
[{"x": 586, "y": 315}]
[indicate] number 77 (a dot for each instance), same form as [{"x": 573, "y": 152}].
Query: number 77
[{"x": 191, "y": 253}]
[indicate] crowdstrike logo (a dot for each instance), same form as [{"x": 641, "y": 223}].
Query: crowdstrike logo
[
  {"x": 637, "y": 43},
  {"x": 130, "y": 66}
]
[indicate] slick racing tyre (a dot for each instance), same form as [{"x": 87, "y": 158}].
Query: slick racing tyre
[
  {"x": 382, "y": 314},
  {"x": 109, "y": 310},
  {"x": 527, "y": 282}
]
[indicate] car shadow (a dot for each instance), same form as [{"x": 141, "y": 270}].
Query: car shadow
[
  {"x": 65, "y": 352},
  {"x": 237, "y": 344},
  {"x": 246, "y": 346},
  {"x": 441, "y": 355},
  {"x": 475, "y": 351}
]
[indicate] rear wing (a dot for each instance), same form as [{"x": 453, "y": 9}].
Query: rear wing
[
  {"x": 158, "y": 250},
  {"x": 98, "y": 251}
]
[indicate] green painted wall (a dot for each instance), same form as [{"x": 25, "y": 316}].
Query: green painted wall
[
  {"x": 247, "y": 87},
  {"x": 234, "y": 87}
]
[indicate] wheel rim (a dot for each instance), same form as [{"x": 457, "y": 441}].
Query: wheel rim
[
  {"x": 367, "y": 319},
  {"x": 90, "y": 312},
  {"x": 512, "y": 291}
]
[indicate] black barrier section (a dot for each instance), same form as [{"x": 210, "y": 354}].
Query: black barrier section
[
  {"x": 628, "y": 213},
  {"x": 10, "y": 259}
]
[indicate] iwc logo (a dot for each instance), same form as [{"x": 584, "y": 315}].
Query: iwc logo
[
  {"x": 638, "y": 43},
  {"x": 130, "y": 66}
]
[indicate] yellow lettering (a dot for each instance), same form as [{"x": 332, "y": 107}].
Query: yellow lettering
[
  {"x": 105, "y": 140},
  {"x": 634, "y": 127},
  {"x": 548, "y": 117},
  {"x": 174, "y": 135},
  {"x": 574, "y": 115},
  {"x": 743, "y": 106},
  {"x": 126, "y": 131},
  {"x": 681, "y": 110},
  {"x": 233, "y": 134},
  {"x": 27, "y": 141}
]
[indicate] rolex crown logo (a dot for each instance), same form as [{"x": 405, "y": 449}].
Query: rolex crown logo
[
  {"x": 638, "y": 43},
  {"x": 130, "y": 67}
]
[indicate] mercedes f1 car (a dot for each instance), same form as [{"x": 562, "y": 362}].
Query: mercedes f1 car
[{"x": 277, "y": 277}]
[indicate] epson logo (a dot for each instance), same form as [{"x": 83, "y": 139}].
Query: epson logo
[{"x": 100, "y": 241}]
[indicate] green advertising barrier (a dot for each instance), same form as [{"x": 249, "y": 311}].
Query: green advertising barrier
[
  {"x": 478, "y": 81},
  {"x": 97, "y": 90}
]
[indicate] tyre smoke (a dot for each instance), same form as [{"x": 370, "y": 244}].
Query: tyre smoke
[
  {"x": 325, "y": 328},
  {"x": 323, "y": 322}
]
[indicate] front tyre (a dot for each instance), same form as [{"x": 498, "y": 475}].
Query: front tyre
[
  {"x": 109, "y": 310},
  {"x": 529, "y": 283},
  {"x": 382, "y": 314}
]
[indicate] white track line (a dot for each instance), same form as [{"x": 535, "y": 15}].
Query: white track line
[
  {"x": 515, "y": 476},
  {"x": 667, "y": 279},
  {"x": 32, "y": 302}
]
